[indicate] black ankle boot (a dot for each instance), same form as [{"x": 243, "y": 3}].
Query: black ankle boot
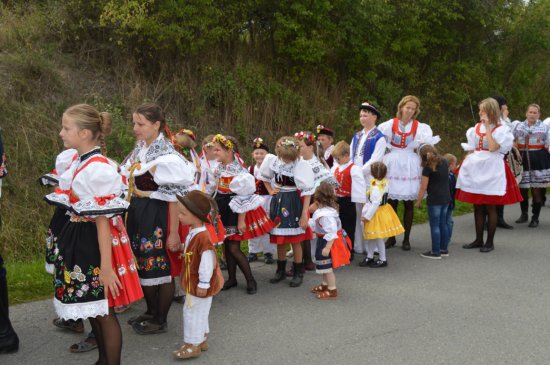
[
  {"x": 298, "y": 275},
  {"x": 523, "y": 218},
  {"x": 9, "y": 342},
  {"x": 280, "y": 273},
  {"x": 535, "y": 218}
]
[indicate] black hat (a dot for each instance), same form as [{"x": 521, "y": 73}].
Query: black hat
[
  {"x": 199, "y": 204},
  {"x": 500, "y": 100},
  {"x": 321, "y": 129},
  {"x": 370, "y": 107},
  {"x": 258, "y": 144}
]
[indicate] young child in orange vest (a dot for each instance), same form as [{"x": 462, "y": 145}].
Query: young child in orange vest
[
  {"x": 201, "y": 278},
  {"x": 351, "y": 191}
]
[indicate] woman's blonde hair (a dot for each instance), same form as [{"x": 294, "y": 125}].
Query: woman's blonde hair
[
  {"x": 404, "y": 101},
  {"x": 287, "y": 149},
  {"x": 533, "y": 106},
  {"x": 87, "y": 117},
  {"x": 491, "y": 107}
]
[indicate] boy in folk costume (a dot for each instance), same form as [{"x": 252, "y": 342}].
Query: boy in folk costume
[
  {"x": 201, "y": 278},
  {"x": 368, "y": 146},
  {"x": 325, "y": 137},
  {"x": 351, "y": 189}
]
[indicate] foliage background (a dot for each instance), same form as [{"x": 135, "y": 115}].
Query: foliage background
[{"x": 251, "y": 68}]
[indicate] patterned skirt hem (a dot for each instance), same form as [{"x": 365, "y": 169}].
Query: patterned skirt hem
[
  {"x": 76, "y": 311},
  {"x": 384, "y": 234},
  {"x": 156, "y": 281}
]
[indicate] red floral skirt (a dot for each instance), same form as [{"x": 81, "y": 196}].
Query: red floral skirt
[{"x": 257, "y": 224}]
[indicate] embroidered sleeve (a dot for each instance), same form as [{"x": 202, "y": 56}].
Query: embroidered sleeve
[
  {"x": 330, "y": 226},
  {"x": 266, "y": 172},
  {"x": 244, "y": 185},
  {"x": 386, "y": 129},
  {"x": 175, "y": 176},
  {"x": 304, "y": 178},
  {"x": 98, "y": 187},
  {"x": 206, "y": 269}
]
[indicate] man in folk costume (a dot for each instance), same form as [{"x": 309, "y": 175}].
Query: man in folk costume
[
  {"x": 367, "y": 146},
  {"x": 325, "y": 137}
]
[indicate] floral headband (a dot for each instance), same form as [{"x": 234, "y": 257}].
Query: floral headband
[
  {"x": 320, "y": 127},
  {"x": 289, "y": 143},
  {"x": 305, "y": 136},
  {"x": 188, "y": 132},
  {"x": 218, "y": 138}
]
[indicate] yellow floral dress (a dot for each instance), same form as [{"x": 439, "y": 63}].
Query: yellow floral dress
[{"x": 382, "y": 220}]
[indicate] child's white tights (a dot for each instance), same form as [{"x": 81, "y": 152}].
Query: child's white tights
[{"x": 376, "y": 244}]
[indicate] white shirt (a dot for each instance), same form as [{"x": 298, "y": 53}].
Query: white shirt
[{"x": 206, "y": 267}]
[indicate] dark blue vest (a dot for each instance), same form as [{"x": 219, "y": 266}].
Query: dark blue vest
[{"x": 368, "y": 148}]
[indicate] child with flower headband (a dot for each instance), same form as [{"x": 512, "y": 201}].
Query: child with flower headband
[
  {"x": 208, "y": 163},
  {"x": 290, "y": 181},
  {"x": 240, "y": 209},
  {"x": 260, "y": 244},
  {"x": 379, "y": 218}
]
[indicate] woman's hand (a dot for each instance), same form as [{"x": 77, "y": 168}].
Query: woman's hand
[
  {"x": 173, "y": 242},
  {"x": 241, "y": 226},
  {"x": 303, "y": 221},
  {"x": 418, "y": 203},
  {"x": 110, "y": 282}
]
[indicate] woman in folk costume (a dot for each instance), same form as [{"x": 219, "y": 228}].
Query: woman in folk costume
[
  {"x": 309, "y": 151},
  {"x": 532, "y": 138},
  {"x": 156, "y": 172},
  {"x": 240, "y": 209},
  {"x": 95, "y": 269},
  {"x": 484, "y": 178},
  {"x": 63, "y": 162},
  {"x": 262, "y": 243},
  {"x": 209, "y": 162},
  {"x": 403, "y": 134},
  {"x": 367, "y": 146},
  {"x": 332, "y": 247},
  {"x": 290, "y": 181}
]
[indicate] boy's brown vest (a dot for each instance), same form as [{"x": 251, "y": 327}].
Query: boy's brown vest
[{"x": 192, "y": 259}]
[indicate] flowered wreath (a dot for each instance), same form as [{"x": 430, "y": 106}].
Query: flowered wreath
[
  {"x": 218, "y": 138},
  {"x": 289, "y": 143},
  {"x": 320, "y": 127},
  {"x": 258, "y": 142},
  {"x": 302, "y": 136}
]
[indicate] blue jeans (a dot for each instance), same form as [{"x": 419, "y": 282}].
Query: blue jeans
[
  {"x": 450, "y": 224},
  {"x": 438, "y": 227}
]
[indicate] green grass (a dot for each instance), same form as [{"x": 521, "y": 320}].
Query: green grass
[{"x": 28, "y": 281}]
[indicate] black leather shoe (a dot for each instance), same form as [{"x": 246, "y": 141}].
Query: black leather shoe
[
  {"x": 406, "y": 246},
  {"x": 229, "y": 284},
  {"x": 366, "y": 262},
  {"x": 474, "y": 244},
  {"x": 534, "y": 223},
  {"x": 9, "y": 342},
  {"x": 251, "y": 287},
  {"x": 379, "y": 263},
  {"x": 252, "y": 257},
  {"x": 487, "y": 248},
  {"x": 390, "y": 242},
  {"x": 522, "y": 218},
  {"x": 502, "y": 224}
]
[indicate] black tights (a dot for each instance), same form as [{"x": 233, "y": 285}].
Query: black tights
[
  {"x": 159, "y": 299},
  {"x": 480, "y": 212},
  {"x": 408, "y": 215},
  {"x": 306, "y": 249},
  {"x": 234, "y": 256},
  {"x": 108, "y": 335}
]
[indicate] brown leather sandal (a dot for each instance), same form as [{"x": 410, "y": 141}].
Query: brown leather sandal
[
  {"x": 319, "y": 288},
  {"x": 188, "y": 351},
  {"x": 328, "y": 294}
]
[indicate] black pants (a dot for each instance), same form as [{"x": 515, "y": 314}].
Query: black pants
[
  {"x": 348, "y": 215},
  {"x": 7, "y": 334}
]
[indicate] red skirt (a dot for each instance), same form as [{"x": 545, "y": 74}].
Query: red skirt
[
  {"x": 341, "y": 251},
  {"x": 512, "y": 195},
  {"x": 283, "y": 240},
  {"x": 257, "y": 224},
  {"x": 124, "y": 266}
]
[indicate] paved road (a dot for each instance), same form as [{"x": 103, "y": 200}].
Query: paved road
[{"x": 470, "y": 308}]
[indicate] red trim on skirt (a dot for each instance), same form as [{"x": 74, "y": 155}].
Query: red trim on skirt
[
  {"x": 512, "y": 195},
  {"x": 257, "y": 224},
  {"x": 283, "y": 240}
]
